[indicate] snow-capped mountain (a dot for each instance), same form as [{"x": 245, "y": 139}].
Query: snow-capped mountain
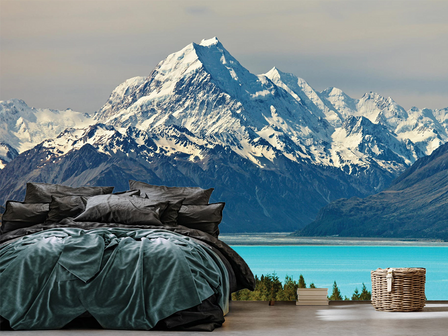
[
  {"x": 204, "y": 89},
  {"x": 207, "y": 91},
  {"x": 23, "y": 127},
  {"x": 274, "y": 148},
  {"x": 415, "y": 205},
  {"x": 256, "y": 199}
]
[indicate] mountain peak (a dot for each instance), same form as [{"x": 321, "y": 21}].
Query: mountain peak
[
  {"x": 209, "y": 42},
  {"x": 333, "y": 92},
  {"x": 373, "y": 95},
  {"x": 276, "y": 72}
]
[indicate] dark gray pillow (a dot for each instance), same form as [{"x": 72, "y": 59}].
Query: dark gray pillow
[
  {"x": 202, "y": 217},
  {"x": 190, "y": 195},
  {"x": 169, "y": 216},
  {"x": 128, "y": 193},
  {"x": 66, "y": 206},
  {"x": 72, "y": 206},
  {"x": 19, "y": 215},
  {"x": 42, "y": 192},
  {"x": 122, "y": 209}
]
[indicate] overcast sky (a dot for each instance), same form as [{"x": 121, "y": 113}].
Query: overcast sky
[{"x": 60, "y": 54}]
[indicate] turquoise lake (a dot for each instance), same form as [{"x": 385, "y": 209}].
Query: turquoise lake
[{"x": 350, "y": 266}]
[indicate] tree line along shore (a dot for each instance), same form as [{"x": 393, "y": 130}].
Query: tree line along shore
[{"x": 270, "y": 288}]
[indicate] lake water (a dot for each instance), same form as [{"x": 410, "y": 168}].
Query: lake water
[{"x": 350, "y": 266}]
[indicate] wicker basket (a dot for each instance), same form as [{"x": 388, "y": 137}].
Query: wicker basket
[{"x": 406, "y": 290}]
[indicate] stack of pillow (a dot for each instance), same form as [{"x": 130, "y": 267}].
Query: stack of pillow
[
  {"x": 38, "y": 198},
  {"x": 144, "y": 204}
]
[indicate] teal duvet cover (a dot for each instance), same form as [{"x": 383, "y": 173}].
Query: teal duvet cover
[{"x": 125, "y": 278}]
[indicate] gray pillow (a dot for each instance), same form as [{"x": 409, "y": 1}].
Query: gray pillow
[
  {"x": 169, "y": 216},
  {"x": 202, "y": 217},
  {"x": 19, "y": 215},
  {"x": 72, "y": 206},
  {"x": 190, "y": 195},
  {"x": 65, "y": 206},
  {"x": 42, "y": 192},
  {"x": 122, "y": 209}
]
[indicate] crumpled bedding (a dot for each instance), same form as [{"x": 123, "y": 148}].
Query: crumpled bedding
[{"x": 126, "y": 278}]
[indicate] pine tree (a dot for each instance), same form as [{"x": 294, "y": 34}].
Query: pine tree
[
  {"x": 356, "y": 295},
  {"x": 312, "y": 285},
  {"x": 275, "y": 286},
  {"x": 336, "y": 295},
  {"x": 289, "y": 292},
  {"x": 302, "y": 283},
  {"x": 365, "y": 294},
  {"x": 263, "y": 288}
]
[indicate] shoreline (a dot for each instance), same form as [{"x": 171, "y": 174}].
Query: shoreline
[{"x": 284, "y": 238}]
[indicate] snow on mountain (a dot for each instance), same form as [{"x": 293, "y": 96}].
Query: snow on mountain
[
  {"x": 22, "y": 127},
  {"x": 205, "y": 90},
  {"x": 426, "y": 128},
  {"x": 341, "y": 102},
  {"x": 304, "y": 93},
  {"x": 413, "y": 206},
  {"x": 7, "y": 153},
  {"x": 131, "y": 142},
  {"x": 120, "y": 94},
  {"x": 269, "y": 142},
  {"x": 281, "y": 199},
  {"x": 360, "y": 140}
]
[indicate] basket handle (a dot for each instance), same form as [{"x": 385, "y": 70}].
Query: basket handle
[{"x": 390, "y": 279}]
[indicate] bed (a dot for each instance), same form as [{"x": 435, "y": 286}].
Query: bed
[{"x": 148, "y": 258}]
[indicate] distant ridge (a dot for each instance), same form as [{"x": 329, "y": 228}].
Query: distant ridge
[{"x": 415, "y": 205}]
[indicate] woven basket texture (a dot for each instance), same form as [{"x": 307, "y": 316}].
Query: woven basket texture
[{"x": 408, "y": 290}]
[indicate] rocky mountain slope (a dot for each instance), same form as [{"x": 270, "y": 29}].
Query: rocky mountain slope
[
  {"x": 257, "y": 199},
  {"x": 415, "y": 205},
  {"x": 275, "y": 149}
]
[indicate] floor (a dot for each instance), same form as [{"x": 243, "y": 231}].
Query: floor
[{"x": 285, "y": 318}]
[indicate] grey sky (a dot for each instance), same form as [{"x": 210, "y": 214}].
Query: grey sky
[{"x": 59, "y": 54}]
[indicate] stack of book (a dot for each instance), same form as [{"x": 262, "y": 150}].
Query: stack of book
[{"x": 312, "y": 296}]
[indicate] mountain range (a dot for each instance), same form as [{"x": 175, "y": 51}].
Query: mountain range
[
  {"x": 415, "y": 205},
  {"x": 275, "y": 149},
  {"x": 23, "y": 127}
]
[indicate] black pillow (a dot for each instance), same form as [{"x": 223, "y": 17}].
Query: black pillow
[
  {"x": 171, "y": 213},
  {"x": 190, "y": 195},
  {"x": 202, "y": 217},
  {"x": 122, "y": 209},
  {"x": 42, "y": 192},
  {"x": 19, "y": 215},
  {"x": 66, "y": 206}
]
